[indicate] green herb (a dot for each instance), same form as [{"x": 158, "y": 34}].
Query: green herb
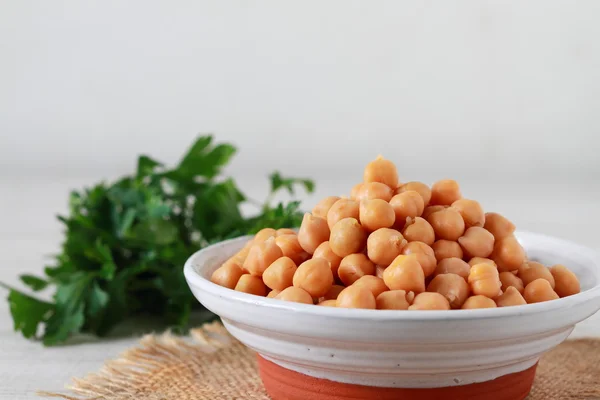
[{"x": 126, "y": 243}]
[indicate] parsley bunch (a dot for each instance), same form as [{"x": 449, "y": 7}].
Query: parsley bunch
[{"x": 126, "y": 243}]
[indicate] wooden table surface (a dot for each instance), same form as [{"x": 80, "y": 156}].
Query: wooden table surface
[{"x": 29, "y": 233}]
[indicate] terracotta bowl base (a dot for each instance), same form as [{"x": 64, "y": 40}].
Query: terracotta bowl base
[{"x": 284, "y": 384}]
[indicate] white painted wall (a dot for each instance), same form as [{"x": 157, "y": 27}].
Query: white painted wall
[{"x": 469, "y": 89}]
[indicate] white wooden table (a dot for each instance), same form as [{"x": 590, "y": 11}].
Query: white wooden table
[{"x": 28, "y": 233}]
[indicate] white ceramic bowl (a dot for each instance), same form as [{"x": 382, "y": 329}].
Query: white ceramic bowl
[{"x": 401, "y": 349}]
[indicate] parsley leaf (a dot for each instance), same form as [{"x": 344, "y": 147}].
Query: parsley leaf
[
  {"x": 36, "y": 284},
  {"x": 27, "y": 312},
  {"x": 279, "y": 182},
  {"x": 126, "y": 242}
]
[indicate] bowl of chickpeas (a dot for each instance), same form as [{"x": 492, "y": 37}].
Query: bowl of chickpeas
[{"x": 399, "y": 290}]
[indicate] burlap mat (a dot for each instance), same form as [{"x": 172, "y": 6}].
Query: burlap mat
[{"x": 212, "y": 365}]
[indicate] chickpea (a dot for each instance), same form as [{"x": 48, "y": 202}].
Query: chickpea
[
  {"x": 418, "y": 187},
  {"x": 446, "y": 249},
  {"x": 425, "y": 256},
  {"x": 343, "y": 208},
  {"x": 328, "y": 303},
  {"x": 375, "y": 214},
  {"x": 290, "y": 247},
  {"x": 332, "y": 293},
  {"x": 324, "y": 251},
  {"x": 508, "y": 279},
  {"x": 252, "y": 285},
  {"x": 233, "y": 261},
  {"x": 408, "y": 204},
  {"x": 453, "y": 265},
  {"x": 227, "y": 275},
  {"x": 445, "y": 192},
  {"x": 528, "y": 264},
  {"x": 353, "y": 267},
  {"x": 405, "y": 273},
  {"x": 273, "y": 293},
  {"x": 384, "y": 245},
  {"x": 447, "y": 224},
  {"x": 485, "y": 280},
  {"x": 419, "y": 230},
  {"x": 261, "y": 256},
  {"x": 314, "y": 276},
  {"x": 453, "y": 287},
  {"x": 510, "y": 297},
  {"x": 374, "y": 190},
  {"x": 280, "y": 274},
  {"x": 481, "y": 260},
  {"x": 323, "y": 207},
  {"x": 531, "y": 270},
  {"x": 478, "y": 301},
  {"x": 264, "y": 234},
  {"x": 285, "y": 231},
  {"x": 296, "y": 295},
  {"x": 392, "y": 300},
  {"x": 566, "y": 281},
  {"x": 241, "y": 255},
  {"x": 538, "y": 291},
  {"x": 313, "y": 231},
  {"x": 347, "y": 237},
  {"x": 356, "y": 190},
  {"x": 356, "y": 297},
  {"x": 379, "y": 271},
  {"x": 431, "y": 209},
  {"x": 476, "y": 242},
  {"x": 471, "y": 211},
  {"x": 383, "y": 171},
  {"x": 508, "y": 254},
  {"x": 498, "y": 225},
  {"x": 373, "y": 283},
  {"x": 429, "y": 301}
]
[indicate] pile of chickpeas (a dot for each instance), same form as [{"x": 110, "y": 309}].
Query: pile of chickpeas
[{"x": 393, "y": 246}]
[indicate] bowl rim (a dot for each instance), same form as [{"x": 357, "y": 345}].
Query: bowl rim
[{"x": 194, "y": 278}]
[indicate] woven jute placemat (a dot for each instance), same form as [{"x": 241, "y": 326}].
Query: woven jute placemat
[{"x": 211, "y": 365}]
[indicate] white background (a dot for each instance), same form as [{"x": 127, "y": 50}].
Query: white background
[
  {"x": 502, "y": 95},
  {"x": 502, "y": 88}
]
